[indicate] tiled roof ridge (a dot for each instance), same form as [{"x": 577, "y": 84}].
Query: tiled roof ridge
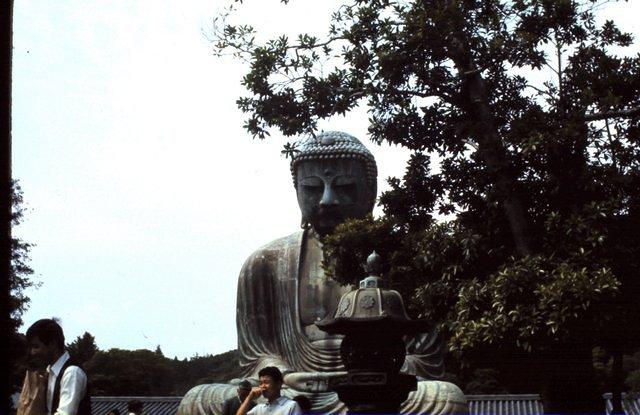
[{"x": 140, "y": 398}]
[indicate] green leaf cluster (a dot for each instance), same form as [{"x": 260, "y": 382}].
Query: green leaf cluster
[
  {"x": 515, "y": 226},
  {"x": 119, "y": 372},
  {"x": 20, "y": 279}
]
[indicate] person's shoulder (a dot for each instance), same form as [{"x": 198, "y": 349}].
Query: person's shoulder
[
  {"x": 291, "y": 406},
  {"x": 258, "y": 408},
  {"x": 74, "y": 376},
  {"x": 286, "y": 401},
  {"x": 72, "y": 363},
  {"x": 74, "y": 369}
]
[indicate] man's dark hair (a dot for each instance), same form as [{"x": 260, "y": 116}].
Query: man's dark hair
[
  {"x": 114, "y": 411},
  {"x": 304, "y": 402},
  {"x": 135, "y": 406},
  {"x": 48, "y": 331},
  {"x": 245, "y": 384},
  {"x": 272, "y": 371}
]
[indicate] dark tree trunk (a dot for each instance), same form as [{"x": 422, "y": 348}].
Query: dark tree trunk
[
  {"x": 490, "y": 146},
  {"x": 493, "y": 153},
  {"x": 6, "y": 32}
]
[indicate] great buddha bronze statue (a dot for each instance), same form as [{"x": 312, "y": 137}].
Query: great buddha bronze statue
[{"x": 283, "y": 292}]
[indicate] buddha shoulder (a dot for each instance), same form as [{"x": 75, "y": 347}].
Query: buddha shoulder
[{"x": 287, "y": 247}]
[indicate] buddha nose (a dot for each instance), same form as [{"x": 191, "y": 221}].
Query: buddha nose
[{"x": 328, "y": 197}]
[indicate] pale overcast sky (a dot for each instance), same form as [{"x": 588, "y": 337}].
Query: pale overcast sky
[{"x": 145, "y": 194}]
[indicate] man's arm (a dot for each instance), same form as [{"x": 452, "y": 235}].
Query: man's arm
[
  {"x": 244, "y": 408},
  {"x": 295, "y": 409},
  {"x": 72, "y": 389}
]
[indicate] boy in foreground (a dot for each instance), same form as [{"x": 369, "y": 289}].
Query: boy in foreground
[{"x": 270, "y": 379}]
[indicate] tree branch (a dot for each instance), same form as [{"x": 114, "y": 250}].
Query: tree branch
[
  {"x": 403, "y": 92},
  {"x": 612, "y": 114},
  {"x": 542, "y": 92},
  {"x": 316, "y": 45}
]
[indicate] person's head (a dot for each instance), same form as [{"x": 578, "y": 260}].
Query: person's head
[
  {"x": 270, "y": 379},
  {"x": 335, "y": 178},
  {"x": 243, "y": 389},
  {"x": 114, "y": 411},
  {"x": 46, "y": 342},
  {"x": 304, "y": 402},
  {"x": 135, "y": 406}
]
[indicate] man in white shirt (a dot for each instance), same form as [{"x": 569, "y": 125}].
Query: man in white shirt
[
  {"x": 66, "y": 382},
  {"x": 231, "y": 405},
  {"x": 270, "y": 379}
]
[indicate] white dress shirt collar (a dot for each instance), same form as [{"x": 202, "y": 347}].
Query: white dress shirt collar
[
  {"x": 57, "y": 366},
  {"x": 281, "y": 400}
]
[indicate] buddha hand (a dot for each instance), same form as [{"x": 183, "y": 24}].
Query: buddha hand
[{"x": 310, "y": 381}]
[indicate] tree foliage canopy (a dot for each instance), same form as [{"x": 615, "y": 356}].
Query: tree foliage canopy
[
  {"x": 19, "y": 280},
  {"x": 542, "y": 177},
  {"x": 118, "y": 372},
  {"x": 538, "y": 179},
  {"x": 83, "y": 348}
]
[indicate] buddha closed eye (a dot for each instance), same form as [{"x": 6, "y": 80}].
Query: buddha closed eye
[
  {"x": 330, "y": 191},
  {"x": 312, "y": 187},
  {"x": 347, "y": 189}
]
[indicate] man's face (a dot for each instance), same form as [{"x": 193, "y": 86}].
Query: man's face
[
  {"x": 332, "y": 191},
  {"x": 243, "y": 393},
  {"x": 42, "y": 354},
  {"x": 270, "y": 388}
]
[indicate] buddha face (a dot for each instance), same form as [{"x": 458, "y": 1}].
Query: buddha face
[{"x": 331, "y": 191}]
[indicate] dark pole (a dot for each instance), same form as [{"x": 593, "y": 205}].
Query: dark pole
[{"x": 6, "y": 38}]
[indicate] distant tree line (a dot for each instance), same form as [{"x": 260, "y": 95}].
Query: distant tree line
[{"x": 142, "y": 372}]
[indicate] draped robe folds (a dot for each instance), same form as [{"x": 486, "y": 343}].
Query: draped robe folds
[{"x": 270, "y": 334}]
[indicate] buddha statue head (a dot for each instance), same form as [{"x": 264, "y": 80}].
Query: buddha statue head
[{"x": 335, "y": 177}]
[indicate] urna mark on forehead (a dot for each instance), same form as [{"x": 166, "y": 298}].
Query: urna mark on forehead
[
  {"x": 349, "y": 168},
  {"x": 332, "y": 146}
]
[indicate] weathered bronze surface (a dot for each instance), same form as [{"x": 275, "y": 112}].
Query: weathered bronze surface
[
  {"x": 283, "y": 292},
  {"x": 372, "y": 309},
  {"x": 335, "y": 179},
  {"x": 373, "y": 321}
]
